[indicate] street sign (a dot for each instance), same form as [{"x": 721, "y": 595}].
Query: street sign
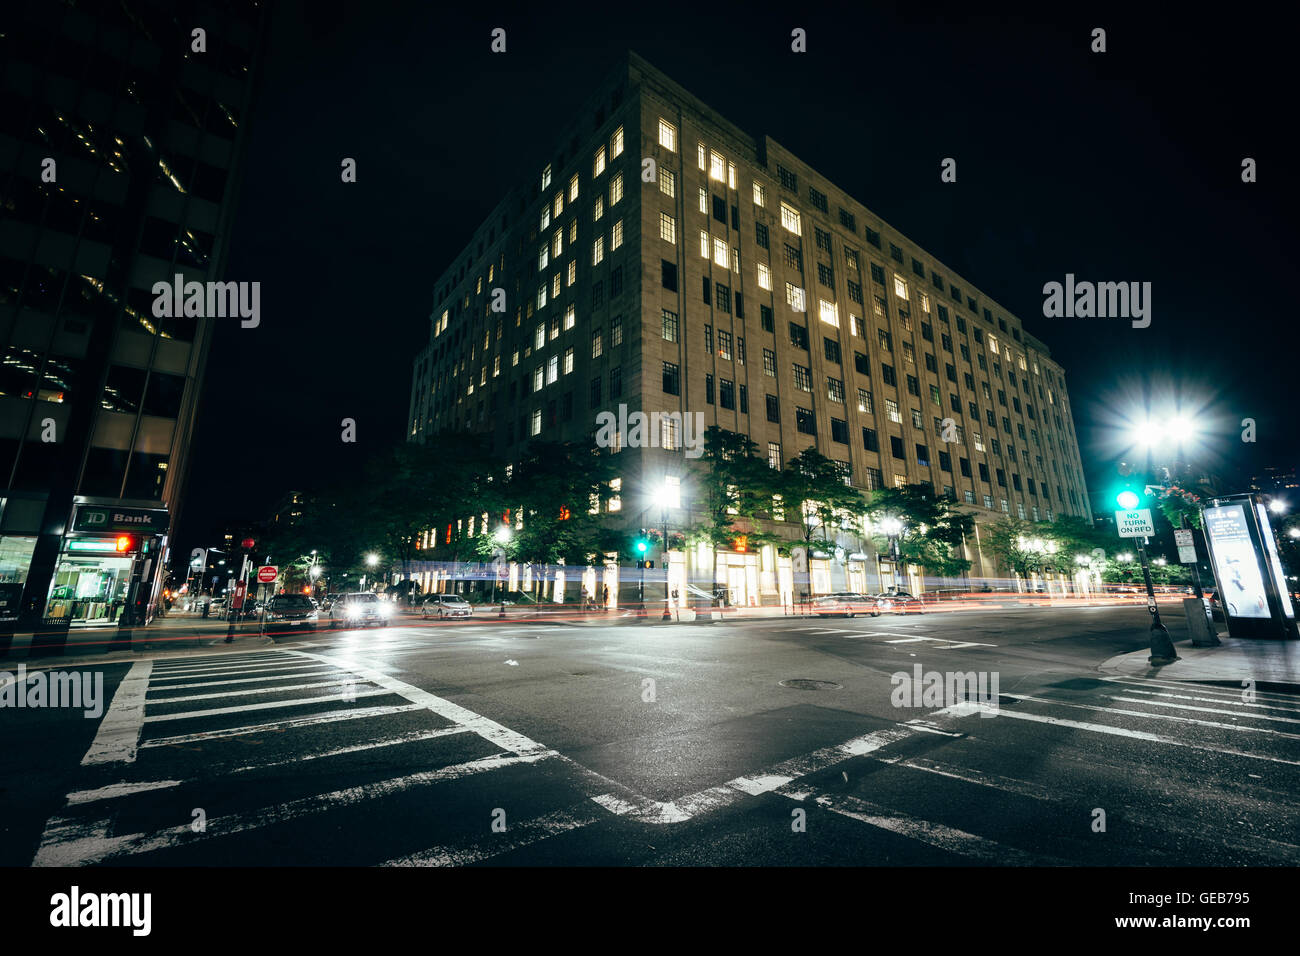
[
  {"x": 240, "y": 591},
  {"x": 1135, "y": 524},
  {"x": 267, "y": 573},
  {"x": 1186, "y": 549}
]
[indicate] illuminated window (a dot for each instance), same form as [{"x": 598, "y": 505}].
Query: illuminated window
[
  {"x": 557, "y": 243},
  {"x": 720, "y": 253},
  {"x": 615, "y": 498},
  {"x": 496, "y": 366},
  {"x": 668, "y": 433},
  {"x": 570, "y": 317},
  {"x": 731, "y": 175},
  {"x": 541, "y": 296},
  {"x": 790, "y": 219},
  {"x": 760, "y": 194},
  {"x": 537, "y": 422},
  {"x": 599, "y": 209},
  {"x": 514, "y": 358},
  {"x": 539, "y": 339},
  {"x": 900, "y": 287},
  {"x": 557, "y": 206},
  {"x": 993, "y": 344},
  {"x": 616, "y": 189},
  {"x": 764, "y": 277},
  {"x": 668, "y": 182},
  {"x": 555, "y": 286},
  {"x": 667, "y": 228},
  {"x": 700, "y": 157},
  {"x": 794, "y": 298},
  {"x": 568, "y": 361},
  {"x": 616, "y": 148},
  {"x": 829, "y": 314},
  {"x": 667, "y": 135},
  {"x": 552, "y": 369},
  {"x": 546, "y": 217},
  {"x": 717, "y": 166},
  {"x": 546, "y": 177},
  {"x": 925, "y": 302},
  {"x": 598, "y": 251},
  {"x": 704, "y": 244},
  {"x": 573, "y": 188},
  {"x": 573, "y": 272},
  {"x": 600, "y": 162},
  {"x": 704, "y": 200},
  {"x": 538, "y": 380},
  {"x": 616, "y": 238},
  {"x": 979, "y": 441},
  {"x": 543, "y": 258},
  {"x": 891, "y": 409}
]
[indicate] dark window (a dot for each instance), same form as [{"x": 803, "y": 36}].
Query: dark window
[
  {"x": 616, "y": 381},
  {"x": 860, "y": 362},
  {"x": 672, "y": 379},
  {"x": 873, "y": 237},
  {"x": 804, "y": 421},
  {"x": 896, "y": 446},
  {"x": 839, "y": 431},
  {"x": 832, "y": 349},
  {"x": 720, "y": 209},
  {"x": 740, "y": 305},
  {"x": 669, "y": 275},
  {"x": 760, "y": 234},
  {"x": 913, "y": 385},
  {"x": 945, "y": 461},
  {"x": 1002, "y": 478},
  {"x": 765, "y": 318},
  {"x": 964, "y": 464},
  {"x": 724, "y": 297},
  {"x": 922, "y": 455},
  {"x": 869, "y": 440},
  {"x": 708, "y": 389},
  {"x": 984, "y": 473},
  {"x": 798, "y": 336},
  {"x": 707, "y": 292},
  {"x": 594, "y": 398},
  {"x": 877, "y": 274},
  {"x": 887, "y": 374},
  {"x": 895, "y": 253},
  {"x": 744, "y": 400},
  {"x": 788, "y": 179},
  {"x": 616, "y": 282},
  {"x": 162, "y": 396},
  {"x": 824, "y": 274},
  {"x": 773, "y": 408},
  {"x": 727, "y": 393},
  {"x": 918, "y": 268},
  {"x": 735, "y": 218},
  {"x": 817, "y": 198},
  {"x": 848, "y": 220}
]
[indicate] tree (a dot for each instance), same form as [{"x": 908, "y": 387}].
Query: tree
[
  {"x": 812, "y": 487},
  {"x": 933, "y": 531},
  {"x": 1009, "y": 539},
  {"x": 735, "y": 488}
]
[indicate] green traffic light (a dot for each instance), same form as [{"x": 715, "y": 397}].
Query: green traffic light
[
  {"x": 641, "y": 546},
  {"x": 1127, "y": 500}
]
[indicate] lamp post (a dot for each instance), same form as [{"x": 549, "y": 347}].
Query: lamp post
[
  {"x": 669, "y": 496},
  {"x": 501, "y": 536}
]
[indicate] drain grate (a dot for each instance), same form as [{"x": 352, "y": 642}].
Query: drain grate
[{"x": 801, "y": 683}]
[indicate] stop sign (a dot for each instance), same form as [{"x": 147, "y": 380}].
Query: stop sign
[{"x": 267, "y": 573}]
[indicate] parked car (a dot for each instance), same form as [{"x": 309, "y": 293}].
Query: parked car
[
  {"x": 898, "y": 602},
  {"x": 848, "y": 603},
  {"x": 359, "y": 608},
  {"x": 443, "y": 606},
  {"x": 292, "y": 610}
]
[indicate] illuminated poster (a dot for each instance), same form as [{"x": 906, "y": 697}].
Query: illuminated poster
[
  {"x": 1234, "y": 562},
  {"x": 1275, "y": 562}
]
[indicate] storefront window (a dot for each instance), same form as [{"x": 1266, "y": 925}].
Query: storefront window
[
  {"x": 89, "y": 589},
  {"x": 15, "y": 559}
]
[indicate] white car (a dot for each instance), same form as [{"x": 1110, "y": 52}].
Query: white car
[
  {"x": 360, "y": 608},
  {"x": 443, "y": 606},
  {"x": 848, "y": 603}
]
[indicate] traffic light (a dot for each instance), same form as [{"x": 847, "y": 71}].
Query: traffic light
[
  {"x": 124, "y": 543},
  {"x": 642, "y": 544},
  {"x": 1128, "y": 500}
]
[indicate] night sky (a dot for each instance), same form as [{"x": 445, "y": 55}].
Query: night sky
[{"x": 1122, "y": 166}]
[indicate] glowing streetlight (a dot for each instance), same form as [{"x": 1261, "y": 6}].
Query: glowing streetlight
[
  {"x": 1277, "y": 506},
  {"x": 372, "y": 559}
]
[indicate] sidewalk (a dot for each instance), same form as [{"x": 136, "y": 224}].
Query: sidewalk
[
  {"x": 178, "y": 633},
  {"x": 1265, "y": 662}
]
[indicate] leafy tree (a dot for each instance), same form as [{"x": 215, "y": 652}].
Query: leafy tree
[
  {"x": 734, "y": 488},
  {"x": 813, "y": 493},
  {"x": 1008, "y": 539},
  {"x": 933, "y": 530}
]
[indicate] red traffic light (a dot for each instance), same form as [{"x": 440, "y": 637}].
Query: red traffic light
[
  {"x": 248, "y": 544},
  {"x": 125, "y": 543}
]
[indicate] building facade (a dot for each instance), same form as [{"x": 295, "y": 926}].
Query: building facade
[
  {"x": 664, "y": 260},
  {"x": 120, "y": 144}
]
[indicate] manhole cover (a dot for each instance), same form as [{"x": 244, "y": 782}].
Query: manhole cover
[{"x": 801, "y": 683}]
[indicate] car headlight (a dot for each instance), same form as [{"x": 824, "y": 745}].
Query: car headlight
[
  {"x": 385, "y": 609},
  {"x": 354, "y": 610}
]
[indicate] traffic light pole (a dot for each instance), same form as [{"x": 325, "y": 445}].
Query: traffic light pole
[{"x": 1162, "y": 648}]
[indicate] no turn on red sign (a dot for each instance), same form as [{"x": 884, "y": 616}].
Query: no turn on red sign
[
  {"x": 267, "y": 573},
  {"x": 1135, "y": 524}
]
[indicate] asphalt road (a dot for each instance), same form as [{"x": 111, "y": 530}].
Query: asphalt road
[{"x": 522, "y": 743}]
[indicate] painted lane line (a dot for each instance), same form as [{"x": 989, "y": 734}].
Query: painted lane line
[
  {"x": 276, "y": 726},
  {"x": 1132, "y": 734},
  {"x": 1142, "y": 713},
  {"x": 69, "y": 843},
  {"x": 490, "y": 730},
  {"x": 934, "y": 834},
  {"x": 113, "y": 791},
  {"x": 517, "y": 836},
  {"x": 253, "y": 691},
  {"x": 1232, "y": 695},
  {"x": 907, "y": 640},
  {"x": 270, "y": 705},
  {"x": 118, "y": 737},
  {"x": 1203, "y": 710}
]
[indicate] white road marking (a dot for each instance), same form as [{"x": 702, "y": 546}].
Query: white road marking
[
  {"x": 72, "y": 843},
  {"x": 1232, "y": 695},
  {"x": 1203, "y": 710},
  {"x": 1132, "y": 689},
  {"x": 517, "y": 835},
  {"x": 1142, "y": 713},
  {"x": 1123, "y": 732},
  {"x": 228, "y": 672},
  {"x": 934, "y": 834},
  {"x": 113, "y": 791},
  {"x": 299, "y": 675},
  {"x": 278, "y": 725},
  {"x": 253, "y": 691},
  {"x": 118, "y": 737},
  {"x": 270, "y": 705},
  {"x": 940, "y": 640}
]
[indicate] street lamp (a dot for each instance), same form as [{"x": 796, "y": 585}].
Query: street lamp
[{"x": 893, "y": 529}]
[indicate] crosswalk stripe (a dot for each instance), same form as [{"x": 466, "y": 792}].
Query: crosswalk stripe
[
  {"x": 1132, "y": 689},
  {"x": 934, "y": 834},
  {"x": 298, "y": 675},
  {"x": 1203, "y": 710},
  {"x": 118, "y": 737},
  {"x": 71, "y": 843},
  {"x": 516, "y": 836},
  {"x": 1231, "y": 694},
  {"x": 228, "y": 672},
  {"x": 1125, "y": 732},
  {"x": 273, "y": 726},
  {"x": 1142, "y": 713},
  {"x": 269, "y": 705},
  {"x": 253, "y": 691}
]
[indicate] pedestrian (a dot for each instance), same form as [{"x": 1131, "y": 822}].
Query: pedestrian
[{"x": 604, "y": 595}]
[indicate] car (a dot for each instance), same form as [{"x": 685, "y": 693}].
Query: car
[
  {"x": 444, "y": 606},
  {"x": 292, "y": 610},
  {"x": 900, "y": 602},
  {"x": 848, "y": 603},
  {"x": 361, "y": 607}
]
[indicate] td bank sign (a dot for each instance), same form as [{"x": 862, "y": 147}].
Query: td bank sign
[{"x": 111, "y": 520}]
